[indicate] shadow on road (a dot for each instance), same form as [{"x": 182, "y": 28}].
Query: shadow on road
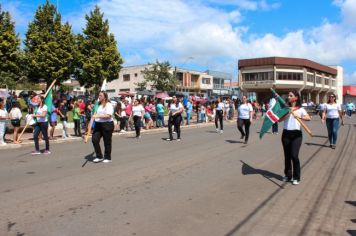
[
  {"x": 351, "y": 232},
  {"x": 89, "y": 157},
  {"x": 316, "y": 144},
  {"x": 233, "y": 141},
  {"x": 352, "y": 203},
  {"x": 249, "y": 170}
]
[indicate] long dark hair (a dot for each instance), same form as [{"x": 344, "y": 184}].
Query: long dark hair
[
  {"x": 298, "y": 102},
  {"x": 106, "y": 98},
  {"x": 42, "y": 101}
]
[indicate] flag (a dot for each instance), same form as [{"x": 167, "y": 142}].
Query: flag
[
  {"x": 277, "y": 109},
  {"x": 48, "y": 101}
]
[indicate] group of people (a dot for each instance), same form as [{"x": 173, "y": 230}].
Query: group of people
[{"x": 142, "y": 112}]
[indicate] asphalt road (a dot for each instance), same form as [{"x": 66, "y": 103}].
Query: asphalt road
[{"x": 207, "y": 184}]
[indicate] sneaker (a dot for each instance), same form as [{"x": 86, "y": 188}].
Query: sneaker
[
  {"x": 295, "y": 182},
  {"x": 174, "y": 132},
  {"x": 246, "y": 141},
  {"x": 286, "y": 179},
  {"x": 138, "y": 137},
  {"x": 46, "y": 152},
  {"x": 242, "y": 137},
  {"x": 106, "y": 161},
  {"x": 3, "y": 144},
  {"x": 168, "y": 139},
  {"x": 36, "y": 153},
  {"x": 123, "y": 131},
  {"x": 96, "y": 160},
  {"x": 178, "y": 139},
  {"x": 221, "y": 131},
  {"x": 333, "y": 146},
  {"x": 217, "y": 130}
]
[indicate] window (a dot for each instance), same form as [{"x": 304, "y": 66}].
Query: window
[
  {"x": 310, "y": 78},
  {"x": 126, "y": 77},
  {"x": 289, "y": 76},
  {"x": 125, "y": 90},
  {"x": 135, "y": 74},
  {"x": 206, "y": 81}
]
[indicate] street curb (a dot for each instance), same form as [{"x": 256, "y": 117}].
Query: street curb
[{"x": 128, "y": 133}]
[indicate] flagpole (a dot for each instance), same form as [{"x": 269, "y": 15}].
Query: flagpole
[
  {"x": 27, "y": 124},
  {"x": 90, "y": 125},
  {"x": 305, "y": 127}
]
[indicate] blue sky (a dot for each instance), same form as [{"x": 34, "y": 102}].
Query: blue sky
[{"x": 214, "y": 34}]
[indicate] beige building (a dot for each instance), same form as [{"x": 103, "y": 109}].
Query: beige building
[
  {"x": 313, "y": 80},
  {"x": 190, "y": 82}
]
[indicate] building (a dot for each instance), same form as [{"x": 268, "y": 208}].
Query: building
[
  {"x": 349, "y": 94},
  {"x": 313, "y": 80},
  {"x": 221, "y": 83},
  {"x": 190, "y": 82}
]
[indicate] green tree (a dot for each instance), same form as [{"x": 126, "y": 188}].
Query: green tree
[
  {"x": 10, "y": 54},
  {"x": 99, "y": 56},
  {"x": 50, "y": 47},
  {"x": 159, "y": 76}
]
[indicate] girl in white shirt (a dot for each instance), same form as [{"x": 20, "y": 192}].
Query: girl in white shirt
[
  {"x": 331, "y": 116},
  {"x": 41, "y": 126},
  {"x": 244, "y": 118},
  {"x": 104, "y": 127},
  {"x": 175, "y": 118},
  {"x": 292, "y": 138},
  {"x": 219, "y": 110},
  {"x": 15, "y": 116},
  {"x": 137, "y": 113}
]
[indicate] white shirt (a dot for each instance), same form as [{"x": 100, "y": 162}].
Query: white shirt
[
  {"x": 15, "y": 113},
  {"x": 244, "y": 111},
  {"x": 137, "y": 110},
  {"x": 173, "y": 108},
  {"x": 291, "y": 123},
  {"x": 107, "y": 110},
  {"x": 3, "y": 114},
  {"x": 123, "y": 107},
  {"x": 39, "y": 111},
  {"x": 220, "y": 106},
  {"x": 332, "y": 110}
]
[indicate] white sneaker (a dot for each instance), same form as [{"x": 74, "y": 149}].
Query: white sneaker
[
  {"x": 123, "y": 131},
  {"x": 106, "y": 161},
  {"x": 221, "y": 131},
  {"x": 3, "y": 144},
  {"x": 217, "y": 130},
  {"x": 295, "y": 182},
  {"x": 96, "y": 160},
  {"x": 178, "y": 139}
]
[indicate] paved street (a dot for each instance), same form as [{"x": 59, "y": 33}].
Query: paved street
[{"x": 207, "y": 184}]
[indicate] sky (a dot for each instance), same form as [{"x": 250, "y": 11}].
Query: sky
[{"x": 215, "y": 34}]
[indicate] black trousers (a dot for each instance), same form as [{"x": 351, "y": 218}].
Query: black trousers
[
  {"x": 174, "y": 121},
  {"x": 291, "y": 141},
  {"x": 137, "y": 124},
  {"x": 77, "y": 131},
  {"x": 41, "y": 127},
  {"x": 105, "y": 130},
  {"x": 219, "y": 116},
  {"x": 123, "y": 122},
  {"x": 246, "y": 123}
]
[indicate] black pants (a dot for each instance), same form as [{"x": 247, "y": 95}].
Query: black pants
[
  {"x": 77, "y": 131},
  {"x": 105, "y": 130},
  {"x": 292, "y": 140},
  {"x": 246, "y": 123},
  {"x": 122, "y": 122},
  {"x": 174, "y": 121},
  {"x": 41, "y": 127},
  {"x": 137, "y": 124},
  {"x": 219, "y": 116}
]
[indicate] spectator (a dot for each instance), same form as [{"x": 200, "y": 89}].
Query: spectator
[
  {"x": 76, "y": 119},
  {"x": 3, "y": 118},
  {"x": 15, "y": 116},
  {"x": 53, "y": 122},
  {"x": 160, "y": 114}
]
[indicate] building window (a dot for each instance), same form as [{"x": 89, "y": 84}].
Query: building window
[
  {"x": 125, "y": 90},
  {"x": 318, "y": 80},
  {"x": 310, "y": 78},
  {"x": 261, "y": 76},
  {"x": 289, "y": 76},
  {"x": 126, "y": 77},
  {"x": 206, "y": 81}
]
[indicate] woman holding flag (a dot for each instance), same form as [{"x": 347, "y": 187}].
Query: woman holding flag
[
  {"x": 292, "y": 137},
  {"x": 41, "y": 126},
  {"x": 104, "y": 127}
]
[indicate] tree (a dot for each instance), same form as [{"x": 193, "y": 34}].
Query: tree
[
  {"x": 10, "y": 53},
  {"x": 159, "y": 76},
  {"x": 99, "y": 56},
  {"x": 50, "y": 47}
]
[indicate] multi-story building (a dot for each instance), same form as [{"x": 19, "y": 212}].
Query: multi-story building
[
  {"x": 190, "y": 82},
  {"x": 221, "y": 83},
  {"x": 313, "y": 80}
]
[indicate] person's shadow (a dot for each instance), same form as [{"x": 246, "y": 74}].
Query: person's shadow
[
  {"x": 89, "y": 157},
  {"x": 249, "y": 170}
]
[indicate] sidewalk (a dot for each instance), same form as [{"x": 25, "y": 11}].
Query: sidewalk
[{"x": 27, "y": 138}]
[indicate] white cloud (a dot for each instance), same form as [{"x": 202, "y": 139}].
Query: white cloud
[{"x": 248, "y": 4}]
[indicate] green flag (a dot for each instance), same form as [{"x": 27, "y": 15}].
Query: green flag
[
  {"x": 48, "y": 101},
  {"x": 277, "y": 109}
]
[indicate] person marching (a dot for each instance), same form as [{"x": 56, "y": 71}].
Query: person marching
[
  {"x": 244, "y": 118},
  {"x": 41, "y": 126},
  {"x": 104, "y": 127},
  {"x": 331, "y": 116},
  {"x": 137, "y": 113},
  {"x": 219, "y": 116},
  {"x": 175, "y": 118},
  {"x": 292, "y": 138}
]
